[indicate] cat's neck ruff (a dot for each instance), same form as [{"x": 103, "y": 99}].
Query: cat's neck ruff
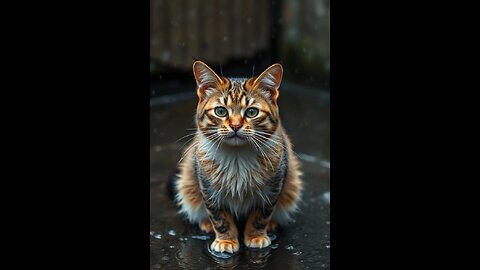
[{"x": 215, "y": 150}]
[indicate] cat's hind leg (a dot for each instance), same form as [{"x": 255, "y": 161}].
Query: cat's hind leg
[
  {"x": 272, "y": 225},
  {"x": 206, "y": 226}
]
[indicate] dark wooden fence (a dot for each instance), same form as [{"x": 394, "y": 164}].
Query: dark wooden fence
[{"x": 215, "y": 31}]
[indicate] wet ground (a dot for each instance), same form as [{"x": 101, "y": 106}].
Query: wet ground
[{"x": 305, "y": 244}]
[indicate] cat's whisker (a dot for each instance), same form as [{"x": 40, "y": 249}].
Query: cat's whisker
[
  {"x": 215, "y": 139},
  {"x": 191, "y": 134},
  {"x": 215, "y": 153},
  {"x": 186, "y": 151},
  {"x": 195, "y": 144},
  {"x": 264, "y": 142},
  {"x": 208, "y": 137},
  {"x": 261, "y": 131},
  {"x": 276, "y": 141},
  {"x": 263, "y": 152}
]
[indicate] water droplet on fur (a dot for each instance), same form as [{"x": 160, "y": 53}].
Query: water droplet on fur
[
  {"x": 297, "y": 253},
  {"x": 183, "y": 239},
  {"x": 171, "y": 246},
  {"x": 289, "y": 247},
  {"x": 172, "y": 232},
  {"x": 274, "y": 246}
]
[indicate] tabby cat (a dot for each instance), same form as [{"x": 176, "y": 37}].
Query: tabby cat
[{"x": 240, "y": 163}]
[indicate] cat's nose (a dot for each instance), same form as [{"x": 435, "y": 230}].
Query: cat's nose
[{"x": 235, "y": 126}]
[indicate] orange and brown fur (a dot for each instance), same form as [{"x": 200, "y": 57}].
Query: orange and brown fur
[{"x": 240, "y": 162}]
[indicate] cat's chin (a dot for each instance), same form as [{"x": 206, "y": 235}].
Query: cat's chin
[{"x": 236, "y": 141}]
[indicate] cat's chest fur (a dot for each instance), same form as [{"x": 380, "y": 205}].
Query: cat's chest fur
[{"x": 237, "y": 178}]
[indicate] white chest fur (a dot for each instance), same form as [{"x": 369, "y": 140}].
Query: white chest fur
[{"x": 236, "y": 180}]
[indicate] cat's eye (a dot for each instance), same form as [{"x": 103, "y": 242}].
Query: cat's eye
[
  {"x": 251, "y": 112},
  {"x": 221, "y": 111}
]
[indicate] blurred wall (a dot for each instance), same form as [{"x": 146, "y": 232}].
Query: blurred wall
[
  {"x": 305, "y": 41},
  {"x": 211, "y": 30},
  {"x": 295, "y": 33}
]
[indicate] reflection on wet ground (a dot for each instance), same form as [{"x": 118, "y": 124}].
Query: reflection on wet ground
[{"x": 305, "y": 244}]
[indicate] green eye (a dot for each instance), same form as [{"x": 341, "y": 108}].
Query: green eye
[
  {"x": 221, "y": 111},
  {"x": 251, "y": 112}
]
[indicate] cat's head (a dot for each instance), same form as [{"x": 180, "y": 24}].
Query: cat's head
[{"x": 237, "y": 110}]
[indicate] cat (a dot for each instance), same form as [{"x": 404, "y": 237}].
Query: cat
[{"x": 240, "y": 163}]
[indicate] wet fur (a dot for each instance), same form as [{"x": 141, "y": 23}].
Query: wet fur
[{"x": 221, "y": 182}]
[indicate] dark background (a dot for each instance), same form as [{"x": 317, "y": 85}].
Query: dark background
[{"x": 237, "y": 37}]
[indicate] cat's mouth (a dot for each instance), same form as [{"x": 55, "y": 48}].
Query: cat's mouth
[
  {"x": 236, "y": 135},
  {"x": 236, "y": 139}
]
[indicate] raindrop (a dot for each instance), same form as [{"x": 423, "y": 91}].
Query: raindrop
[
  {"x": 172, "y": 232},
  {"x": 326, "y": 197},
  {"x": 165, "y": 258},
  {"x": 289, "y": 247}
]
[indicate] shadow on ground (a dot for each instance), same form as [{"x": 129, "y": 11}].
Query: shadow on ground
[{"x": 174, "y": 243}]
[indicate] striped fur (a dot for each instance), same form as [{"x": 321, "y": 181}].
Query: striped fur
[{"x": 238, "y": 165}]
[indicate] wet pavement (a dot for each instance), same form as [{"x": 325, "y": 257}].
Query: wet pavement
[{"x": 305, "y": 244}]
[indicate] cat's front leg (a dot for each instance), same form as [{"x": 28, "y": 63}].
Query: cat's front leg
[
  {"x": 226, "y": 233},
  {"x": 255, "y": 235}
]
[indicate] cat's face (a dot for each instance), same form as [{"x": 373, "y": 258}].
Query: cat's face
[{"x": 237, "y": 111}]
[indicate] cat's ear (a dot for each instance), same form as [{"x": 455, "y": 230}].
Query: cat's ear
[
  {"x": 269, "y": 81},
  {"x": 207, "y": 79}
]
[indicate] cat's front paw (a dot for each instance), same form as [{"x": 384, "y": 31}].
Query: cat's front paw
[
  {"x": 259, "y": 241},
  {"x": 230, "y": 246}
]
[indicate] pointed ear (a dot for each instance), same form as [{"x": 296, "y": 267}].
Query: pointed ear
[
  {"x": 269, "y": 81},
  {"x": 207, "y": 79}
]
